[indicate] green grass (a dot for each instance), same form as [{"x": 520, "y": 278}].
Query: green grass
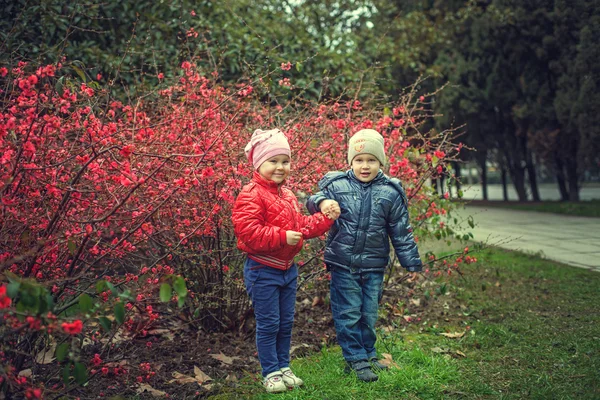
[
  {"x": 589, "y": 208},
  {"x": 534, "y": 333}
]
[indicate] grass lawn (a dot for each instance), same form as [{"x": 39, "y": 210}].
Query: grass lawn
[
  {"x": 590, "y": 208},
  {"x": 519, "y": 327}
]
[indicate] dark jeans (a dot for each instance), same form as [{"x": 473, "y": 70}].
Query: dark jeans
[
  {"x": 354, "y": 302},
  {"x": 273, "y": 295}
]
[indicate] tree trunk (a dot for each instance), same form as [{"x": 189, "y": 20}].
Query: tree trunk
[
  {"x": 504, "y": 184},
  {"x": 535, "y": 193},
  {"x": 483, "y": 166},
  {"x": 573, "y": 179},
  {"x": 560, "y": 178},
  {"x": 458, "y": 177},
  {"x": 517, "y": 176}
]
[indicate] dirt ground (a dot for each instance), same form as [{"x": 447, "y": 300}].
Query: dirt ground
[{"x": 184, "y": 364}]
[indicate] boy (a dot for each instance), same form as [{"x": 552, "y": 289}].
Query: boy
[{"x": 373, "y": 212}]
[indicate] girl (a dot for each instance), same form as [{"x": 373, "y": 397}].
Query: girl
[{"x": 271, "y": 229}]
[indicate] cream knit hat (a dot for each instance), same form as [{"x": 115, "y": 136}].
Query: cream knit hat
[{"x": 366, "y": 141}]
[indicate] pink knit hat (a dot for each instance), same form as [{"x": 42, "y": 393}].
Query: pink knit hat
[{"x": 266, "y": 144}]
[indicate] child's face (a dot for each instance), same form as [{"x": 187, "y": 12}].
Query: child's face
[
  {"x": 365, "y": 167},
  {"x": 275, "y": 169}
]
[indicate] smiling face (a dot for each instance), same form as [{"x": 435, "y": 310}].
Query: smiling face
[
  {"x": 275, "y": 169},
  {"x": 365, "y": 167}
]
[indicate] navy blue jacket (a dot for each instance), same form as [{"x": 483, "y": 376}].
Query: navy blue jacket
[{"x": 373, "y": 213}]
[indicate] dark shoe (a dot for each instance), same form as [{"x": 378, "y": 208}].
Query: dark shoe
[
  {"x": 376, "y": 365},
  {"x": 362, "y": 369}
]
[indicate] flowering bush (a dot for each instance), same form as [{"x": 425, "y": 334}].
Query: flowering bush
[{"x": 106, "y": 206}]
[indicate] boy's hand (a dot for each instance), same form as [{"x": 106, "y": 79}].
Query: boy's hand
[
  {"x": 292, "y": 237},
  {"x": 414, "y": 276},
  {"x": 331, "y": 209}
]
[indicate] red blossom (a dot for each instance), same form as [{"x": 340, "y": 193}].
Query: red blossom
[
  {"x": 72, "y": 328},
  {"x": 5, "y": 301}
]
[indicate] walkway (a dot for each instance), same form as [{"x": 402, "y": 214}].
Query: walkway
[{"x": 570, "y": 240}]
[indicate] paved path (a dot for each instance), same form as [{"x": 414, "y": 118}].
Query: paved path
[{"x": 570, "y": 240}]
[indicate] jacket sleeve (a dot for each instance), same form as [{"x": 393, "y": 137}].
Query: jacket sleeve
[
  {"x": 312, "y": 204},
  {"x": 400, "y": 232},
  {"x": 249, "y": 225},
  {"x": 314, "y": 225}
]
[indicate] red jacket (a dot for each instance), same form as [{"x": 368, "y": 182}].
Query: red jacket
[{"x": 262, "y": 214}]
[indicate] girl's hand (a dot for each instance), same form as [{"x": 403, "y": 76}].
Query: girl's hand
[{"x": 292, "y": 237}]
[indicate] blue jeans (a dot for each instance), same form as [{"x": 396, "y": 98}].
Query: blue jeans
[
  {"x": 355, "y": 300},
  {"x": 273, "y": 295}
]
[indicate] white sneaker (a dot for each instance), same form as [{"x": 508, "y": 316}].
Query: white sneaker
[
  {"x": 290, "y": 379},
  {"x": 273, "y": 383}
]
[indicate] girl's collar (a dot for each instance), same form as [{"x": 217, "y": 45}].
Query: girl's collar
[{"x": 272, "y": 186}]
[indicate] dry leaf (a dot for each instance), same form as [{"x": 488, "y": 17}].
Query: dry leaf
[
  {"x": 388, "y": 361},
  {"x": 454, "y": 335},
  {"x": 27, "y": 373},
  {"x": 300, "y": 346},
  {"x": 497, "y": 284},
  {"x": 389, "y": 329},
  {"x": 317, "y": 301},
  {"x": 46, "y": 356},
  {"x": 181, "y": 378},
  {"x": 224, "y": 359},
  {"x": 460, "y": 353},
  {"x": 143, "y": 387},
  {"x": 231, "y": 378},
  {"x": 166, "y": 333},
  {"x": 415, "y": 302},
  {"x": 439, "y": 350},
  {"x": 201, "y": 376},
  {"x": 116, "y": 364}
]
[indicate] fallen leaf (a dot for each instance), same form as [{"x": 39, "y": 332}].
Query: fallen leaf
[
  {"x": 231, "y": 378},
  {"x": 300, "y": 346},
  {"x": 460, "y": 353},
  {"x": 27, "y": 373},
  {"x": 497, "y": 284},
  {"x": 116, "y": 364},
  {"x": 182, "y": 379},
  {"x": 201, "y": 376},
  {"x": 166, "y": 333},
  {"x": 388, "y": 361},
  {"x": 415, "y": 302},
  {"x": 439, "y": 350},
  {"x": 454, "y": 335},
  {"x": 317, "y": 301},
  {"x": 223, "y": 358},
  {"x": 46, "y": 356},
  {"x": 143, "y": 387}
]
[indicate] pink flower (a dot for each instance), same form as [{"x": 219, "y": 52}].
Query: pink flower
[
  {"x": 286, "y": 66},
  {"x": 160, "y": 75}
]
